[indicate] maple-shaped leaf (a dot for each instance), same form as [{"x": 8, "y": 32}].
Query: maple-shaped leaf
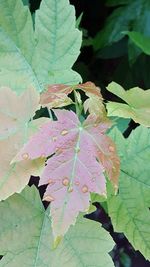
[
  {"x": 82, "y": 152},
  {"x": 94, "y": 103},
  {"x": 56, "y": 96},
  {"x": 137, "y": 104},
  {"x": 27, "y": 240},
  {"x": 16, "y": 126}
]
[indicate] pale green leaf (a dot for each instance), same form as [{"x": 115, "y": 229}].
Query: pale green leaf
[
  {"x": 57, "y": 42},
  {"x": 129, "y": 210},
  {"x": 16, "y": 21},
  {"x": 137, "y": 107},
  {"x": 15, "y": 71},
  {"x": 31, "y": 58},
  {"x": 26, "y": 237}
]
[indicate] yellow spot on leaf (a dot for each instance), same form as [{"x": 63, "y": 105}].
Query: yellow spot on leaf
[
  {"x": 64, "y": 132},
  {"x": 85, "y": 189},
  {"x": 65, "y": 181},
  {"x": 25, "y": 156}
]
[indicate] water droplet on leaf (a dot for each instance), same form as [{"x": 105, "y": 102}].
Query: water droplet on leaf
[
  {"x": 65, "y": 181},
  {"x": 85, "y": 189},
  {"x": 64, "y": 132},
  {"x": 111, "y": 149},
  {"x": 25, "y": 155}
]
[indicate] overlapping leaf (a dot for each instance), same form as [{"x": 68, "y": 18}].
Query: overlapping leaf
[
  {"x": 57, "y": 96},
  {"x": 56, "y": 50},
  {"x": 129, "y": 210},
  {"x": 15, "y": 129},
  {"x": 16, "y": 21},
  {"x": 82, "y": 153},
  {"x": 137, "y": 107},
  {"x": 26, "y": 237},
  {"x": 39, "y": 57},
  {"x": 129, "y": 15},
  {"x": 142, "y": 41}
]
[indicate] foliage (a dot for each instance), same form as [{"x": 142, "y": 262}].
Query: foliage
[
  {"x": 122, "y": 20},
  {"x": 29, "y": 240},
  {"x": 143, "y": 42},
  {"x": 129, "y": 210},
  {"x": 63, "y": 131},
  {"x": 70, "y": 173},
  {"x": 35, "y": 65},
  {"x": 137, "y": 107}
]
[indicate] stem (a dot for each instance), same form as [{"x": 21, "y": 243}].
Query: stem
[
  {"x": 50, "y": 114},
  {"x": 78, "y": 107}
]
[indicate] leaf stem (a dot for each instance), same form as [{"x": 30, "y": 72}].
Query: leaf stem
[{"x": 50, "y": 113}]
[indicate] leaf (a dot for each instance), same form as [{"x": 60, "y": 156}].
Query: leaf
[
  {"x": 121, "y": 123},
  {"x": 94, "y": 103},
  {"x": 143, "y": 42},
  {"x": 56, "y": 96},
  {"x": 137, "y": 107},
  {"x": 78, "y": 21},
  {"x": 19, "y": 75},
  {"x": 15, "y": 129},
  {"x": 16, "y": 21},
  {"x": 41, "y": 56},
  {"x": 26, "y": 2},
  {"x": 117, "y": 2},
  {"x": 129, "y": 210},
  {"x": 56, "y": 50},
  {"x": 131, "y": 16},
  {"x": 70, "y": 173},
  {"x": 29, "y": 241}
]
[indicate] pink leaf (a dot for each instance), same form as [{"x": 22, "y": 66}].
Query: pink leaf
[{"x": 79, "y": 155}]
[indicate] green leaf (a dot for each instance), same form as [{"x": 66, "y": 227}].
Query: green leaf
[
  {"x": 35, "y": 59},
  {"x": 117, "y": 2},
  {"x": 16, "y": 21},
  {"x": 79, "y": 19},
  {"x": 26, "y": 237},
  {"x": 121, "y": 123},
  {"x": 137, "y": 107},
  {"x": 131, "y": 16},
  {"x": 143, "y": 42},
  {"x": 57, "y": 43},
  {"x": 15, "y": 71},
  {"x": 129, "y": 210},
  {"x": 26, "y": 2}
]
